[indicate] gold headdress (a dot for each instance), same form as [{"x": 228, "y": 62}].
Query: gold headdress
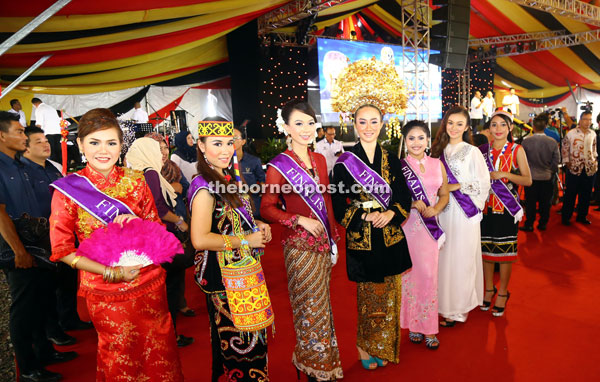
[
  {"x": 369, "y": 81},
  {"x": 215, "y": 129}
]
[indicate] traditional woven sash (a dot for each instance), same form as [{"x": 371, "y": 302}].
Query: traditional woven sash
[
  {"x": 464, "y": 201},
  {"x": 499, "y": 188},
  {"x": 370, "y": 180},
  {"x": 82, "y": 191},
  {"x": 305, "y": 186},
  {"x": 415, "y": 185}
]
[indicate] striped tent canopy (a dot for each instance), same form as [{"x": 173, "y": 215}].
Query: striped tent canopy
[
  {"x": 113, "y": 44},
  {"x": 110, "y": 45}
]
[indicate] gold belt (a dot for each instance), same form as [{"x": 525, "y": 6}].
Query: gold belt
[{"x": 371, "y": 204}]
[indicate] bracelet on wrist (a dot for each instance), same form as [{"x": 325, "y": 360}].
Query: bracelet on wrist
[
  {"x": 75, "y": 261},
  {"x": 179, "y": 222}
]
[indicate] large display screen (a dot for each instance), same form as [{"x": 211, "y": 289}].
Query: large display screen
[{"x": 334, "y": 56}]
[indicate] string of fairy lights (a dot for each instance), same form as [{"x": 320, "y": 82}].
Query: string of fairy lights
[
  {"x": 283, "y": 76},
  {"x": 481, "y": 76}
]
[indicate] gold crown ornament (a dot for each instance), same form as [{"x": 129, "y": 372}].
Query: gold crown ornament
[
  {"x": 215, "y": 129},
  {"x": 369, "y": 81}
]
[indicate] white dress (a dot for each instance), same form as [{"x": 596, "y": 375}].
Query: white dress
[
  {"x": 460, "y": 284},
  {"x": 188, "y": 169}
]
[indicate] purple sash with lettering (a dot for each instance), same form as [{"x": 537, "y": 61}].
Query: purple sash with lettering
[
  {"x": 464, "y": 201},
  {"x": 305, "y": 186},
  {"x": 418, "y": 193},
  {"x": 500, "y": 189},
  {"x": 200, "y": 183},
  {"x": 370, "y": 180},
  {"x": 82, "y": 191}
]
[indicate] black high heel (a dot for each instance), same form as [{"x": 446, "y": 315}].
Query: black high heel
[
  {"x": 499, "y": 311},
  {"x": 486, "y": 304}
]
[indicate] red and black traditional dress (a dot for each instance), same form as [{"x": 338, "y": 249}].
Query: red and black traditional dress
[
  {"x": 136, "y": 340},
  {"x": 498, "y": 227}
]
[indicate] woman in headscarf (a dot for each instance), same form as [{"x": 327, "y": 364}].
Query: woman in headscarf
[
  {"x": 144, "y": 155},
  {"x": 185, "y": 156},
  {"x": 173, "y": 174}
]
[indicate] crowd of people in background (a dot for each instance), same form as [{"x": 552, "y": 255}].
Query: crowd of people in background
[{"x": 449, "y": 217}]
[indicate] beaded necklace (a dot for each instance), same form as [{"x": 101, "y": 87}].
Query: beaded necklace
[{"x": 303, "y": 165}]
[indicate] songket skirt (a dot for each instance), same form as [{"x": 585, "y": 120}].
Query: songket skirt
[
  {"x": 316, "y": 353},
  {"x": 379, "y": 318}
]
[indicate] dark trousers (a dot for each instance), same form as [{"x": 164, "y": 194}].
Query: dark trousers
[
  {"x": 175, "y": 290},
  {"x": 540, "y": 192},
  {"x": 55, "y": 150},
  {"x": 64, "y": 316},
  {"x": 29, "y": 292},
  {"x": 578, "y": 187},
  {"x": 475, "y": 122}
]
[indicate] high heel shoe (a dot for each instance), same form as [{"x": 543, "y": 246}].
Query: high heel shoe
[
  {"x": 498, "y": 311},
  {"x": 380, "y": 362},
  {"x": 486, "y": 304},
  {"x": 432, "y": 343},
  {"x": 369, "y": 363}
]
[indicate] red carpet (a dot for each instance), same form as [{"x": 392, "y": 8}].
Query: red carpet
[{"x": 548, "y": 333}]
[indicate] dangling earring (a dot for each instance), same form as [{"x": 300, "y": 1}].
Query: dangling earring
[{"x": 207, "y": 162}]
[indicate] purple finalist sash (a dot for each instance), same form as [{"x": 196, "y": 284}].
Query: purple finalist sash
[
  {"x": 370, "y": 180},
  {"x": 305, "y": 186},
  {"x": 82, "y": 191},
  {"x": 418, "y": 193},
  {"x": 500, "y": 189},
  {"x": 199, "y": 183},
  {"x": 464, "y": 201}
]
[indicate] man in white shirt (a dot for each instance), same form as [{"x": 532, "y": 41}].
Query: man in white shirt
[
  {"x": 139, "y": 115},
  {"x": 329, "y": 147},
  {"x": 18, "y": 109},
  {"x": 48, "y": 120},
  {"x": 511, "y": 102},
  {"x": 489, "y": 106},
  {"x": 476, "y": 112}
]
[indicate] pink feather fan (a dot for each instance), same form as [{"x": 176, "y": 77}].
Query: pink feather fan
[{"x": 135, "y": 242}]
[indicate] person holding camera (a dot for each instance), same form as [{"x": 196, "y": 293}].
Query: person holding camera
[{"x": 580, "y": 156}]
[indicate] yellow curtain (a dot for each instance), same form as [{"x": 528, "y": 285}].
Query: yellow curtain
[
  {"x": 115, "y": 64},
  {"x": 202, "y": 55},
  {"x": 83, "y": 22}
]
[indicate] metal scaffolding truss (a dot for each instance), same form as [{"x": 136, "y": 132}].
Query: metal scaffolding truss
[
  {"x": 539, "y": 45},
  {"x": 513, "y": 38},
  {"x": 575, "y": 9},
  {"x": 464, "y": 86},
  {"x": 291, "y": 12},
  {"x": 416, "y": 18}
]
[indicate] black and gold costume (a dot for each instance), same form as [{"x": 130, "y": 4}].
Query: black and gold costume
[{"x": 375, "y": 257}]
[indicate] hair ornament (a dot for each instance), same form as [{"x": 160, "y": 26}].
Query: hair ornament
[{"x": 280, "y": 122}]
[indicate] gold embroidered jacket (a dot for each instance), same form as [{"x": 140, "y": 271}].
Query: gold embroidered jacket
[{"x": 373, "y": 253}]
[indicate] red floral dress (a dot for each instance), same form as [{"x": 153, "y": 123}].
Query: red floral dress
[{"x": 136, "y": 339}]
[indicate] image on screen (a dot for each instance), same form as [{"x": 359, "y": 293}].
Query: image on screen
[{"x": 334, "y": 56}]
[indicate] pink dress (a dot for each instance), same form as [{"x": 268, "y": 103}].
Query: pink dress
[{"x": 419, "y": 311}]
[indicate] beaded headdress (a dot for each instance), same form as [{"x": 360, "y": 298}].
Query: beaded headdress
[
  {"x": 215, "y": 129},
  {"x": 369, "y": 81}
]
